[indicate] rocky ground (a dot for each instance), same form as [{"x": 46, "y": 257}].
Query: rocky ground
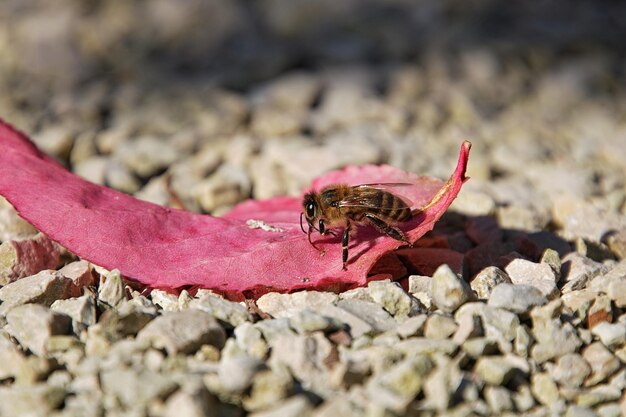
[{"x": 528, "y": 319}]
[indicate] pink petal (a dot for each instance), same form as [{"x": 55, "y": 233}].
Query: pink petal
[{"x": 168, "y": 248}]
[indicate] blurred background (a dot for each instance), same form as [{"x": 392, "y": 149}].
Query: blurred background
[{"x": 203, "y": 103}]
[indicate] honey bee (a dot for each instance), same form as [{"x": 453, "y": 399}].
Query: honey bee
[{"x": 342, "y": 205}]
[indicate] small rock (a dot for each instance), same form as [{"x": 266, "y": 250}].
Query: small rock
[
  {"x": 237, "y": 372},
  {"x": 540, "y": 276},
  {"x": 392, "y": 297},
  {"x": 111, "y": 290},
  {"x": 167, "y": 301},
  {"x": 196, "y": 402},
  {"x": 544, "y": 389},
  {"x": 183, "y": 331},
  {"x": 126, "y": 320},
  {"x": 81, "y": 274},
  {"x": 474, "y": 204},
  {"x": 499, "y": 324},
  {"x": 479, "y": 346},
  {"x": 413, "y": 326},
  {"x": 92, "y": 168},
  {"x": 494, "y": 370},
  {"x": 357, "y": 326},
  {"x": 554, "y": 338},
  {"x": 609, "y": 410},
  {"x": 617, "y": 243},
  {"x": 523, "y": 398},
  {"x": 33, "y": 324},
  {"x": 598, "y": 395},
  {"x": 12, "y": 226},
  {"x": 229, "y": 185},
  {"x": 601, "y": 311},
  {"x": 296, "y": 406},
  {"x": 419, "y": 283},
  {"x": 131, "y": 387},
  {"x": 250, "y": 340},
  {"x": 82, "y": 310},
  {"x": 552, "y": 258},
  {"x": 571, "y": 370},
  {"x": 523, "y": 341},
  {"x": 146, "y": 155},
  {"x": 23, "y": 258},
  {"x": 612, "y": 336},
  {"x": 373, "y": 314},
  {"x": 43, "y": 288},
  {"x": 224, "y": 310},
  {"x": 579, "y": 218},
  {"x": 279, "y": 305},
  {"x": 498, "y": 398},
  {"x": 577, "y": 411},
  {"x": 439, "y": 326},
  {"x": 516, "y": 298},
  {"x": 578, "y": 270},
  {"x": 487, "y": 279},
  {"x": 448, "y": 291},
  {"x": 307, "y": 321},
  {"x": 469, "y": 326},
  {"x": 30, "y": 400},
  {"x": 603, "y": 363}
]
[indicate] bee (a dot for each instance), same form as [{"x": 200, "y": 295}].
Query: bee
[{"x": 342, "y": 205}]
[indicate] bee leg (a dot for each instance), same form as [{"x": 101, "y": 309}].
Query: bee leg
[
  {"x": 344, "y": 245},
  {"x": 387, "y": 229},
  {"x": 308, "y": 235}
]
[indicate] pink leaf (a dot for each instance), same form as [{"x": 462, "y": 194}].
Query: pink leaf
[{"x": 168, "y": 248}]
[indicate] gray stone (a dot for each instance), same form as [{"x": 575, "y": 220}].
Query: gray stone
[
  {"x": 296, "y": 406},
  {"x": 82, "y": 310},
  {"x": 470, "y": 326},
  {"x": 578, "y": 270},
  {"x": 126, "y": 320},
  {"x": 165, "y": 300},
  {"x": 609, "y": 410},
  {"x": 307, "y": 321},
  {"x": 487, "y": 279},
  {"x": 43, "y": 288},
  {"x": 495, "y": 370},
  {"x": 523, "y": 398},
  {"x": 540, "y": 276},
  {"x": 24, "y": 258},
  {"x": 578, "y": 411},
  {"x": 111, "y": 291},
  {"x": 33, "y": 325},
  {"x": 92, "y": 168},
  {"x": 552, "y": 258},
  {"x": 223, "y": 310},
  {"x": 544, "y": 389},
  {"x": 81, "y": 274},
  {"x": 571, "y": 370},
  {"x": 474, "y": 203},
  {"x": 183, "y": 331},
  {"x": 272, "y": 329},
  {"x": 372, "y": 313},
  {"x": 419, "y": 283},
  {"x": 499, "y": 324},
  {"x": 612, "y": 335},
  {"x": 516, "y": 298},
  {"x": 30, "y": 400},
  {"x": 598, "y": 395},
  {"x": 229, "y": 185},
  {"x": 237, "y": 372},
  {"x": 392, "y": 297},
  {"x": 146, "y": 155},
  {"x": 250, "y": 340},
  {"x": 12, "y": 226},
  {"x": 523, "y": 341},
  {"x": 439, "y": 326},
  {"x": 190, "y": 402},
  {"x": 131, "y": 387},
  {"x": 603, "y": 363},
  {"x": 498, "y": 398},
  {"x": 579, "y": 218},
  {"x": 553, "y": 338},
  {"x": 269, "y": 387},
  {"x": 281, "y": 305},
  {"x": 421, "y": 345},
  {"x": 413, "y": 326},
  {"x": 448, "y": 291},
  {"x": 357, "y": 326},
  {"x": 305, "y": 357}
]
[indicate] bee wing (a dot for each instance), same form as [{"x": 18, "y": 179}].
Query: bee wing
[
  {"x": 363, "y": 199},
  {"x": 394, "y": 188}
]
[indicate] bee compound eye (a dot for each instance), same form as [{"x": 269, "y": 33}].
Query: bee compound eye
[{"x": 310, "y": 210}]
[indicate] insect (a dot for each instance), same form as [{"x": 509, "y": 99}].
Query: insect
[{"x": 342, "y": 205}]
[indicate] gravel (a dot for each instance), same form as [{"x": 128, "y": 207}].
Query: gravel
[{"x": 515, "y": 304}]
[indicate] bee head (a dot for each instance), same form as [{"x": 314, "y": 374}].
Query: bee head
[{"x": 310, "y": 208}]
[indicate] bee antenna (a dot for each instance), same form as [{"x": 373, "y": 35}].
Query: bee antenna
[{"x": 301, "y": 226}]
